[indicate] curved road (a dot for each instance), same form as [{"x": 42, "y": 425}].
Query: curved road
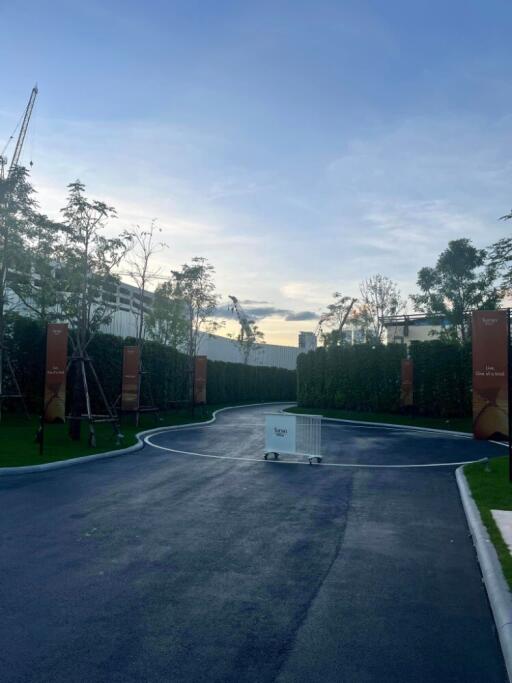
[{"x": 167, "y": 566}]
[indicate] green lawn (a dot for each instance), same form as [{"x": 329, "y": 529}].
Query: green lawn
[
  {"x": 18, "y": 446},
  {"x": 493, "y": 491},
  {"x": 458, "y": 424}
]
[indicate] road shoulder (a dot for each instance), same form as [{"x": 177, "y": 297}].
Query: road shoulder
[{"x": 498, "y": 592}]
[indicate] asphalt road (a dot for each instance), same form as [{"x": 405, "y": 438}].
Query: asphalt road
[{"x": 166, "y": 566}]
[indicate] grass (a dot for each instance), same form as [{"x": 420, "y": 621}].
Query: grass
[
  {"x": 18, "y": 446},
  {"x": 458, "y": 424},
  {"x": 492, "y": 490}
]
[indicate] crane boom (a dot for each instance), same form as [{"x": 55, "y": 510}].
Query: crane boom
[
  {"x": 23, "y": 130},
  {"x": 245, "y": 323}
]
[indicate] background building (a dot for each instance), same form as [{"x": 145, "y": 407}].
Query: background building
[
  {"x": 127, "y": 302},
  {"x": 404, "y": 329}
]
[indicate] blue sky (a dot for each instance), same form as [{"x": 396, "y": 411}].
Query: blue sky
[{"x": 300, "y": 146}]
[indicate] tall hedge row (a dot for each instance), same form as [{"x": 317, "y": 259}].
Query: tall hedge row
[
  {"x": 165, "y": 370},
  {"x": 442, "y": 378},
  {"x": 237, "y": 382},
  {"x": 367, "y": 378},
  {"x": 351, "y": 378}
]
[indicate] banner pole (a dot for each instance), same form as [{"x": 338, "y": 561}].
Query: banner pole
[{"x": 40, "y": 436}]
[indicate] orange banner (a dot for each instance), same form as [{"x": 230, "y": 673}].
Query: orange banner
[
  {"x": 131, "y": 378},
  {"x": 55, "y": 374},
  {"x": 407, "y": 383},
  {"x": 490, "y": 374},
  {"x": 200, "y": 379}
]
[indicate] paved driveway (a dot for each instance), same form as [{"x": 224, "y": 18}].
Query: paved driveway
[{"x": 166, "y": 566}]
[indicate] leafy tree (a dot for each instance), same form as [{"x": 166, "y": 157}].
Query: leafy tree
[
  {"x": 167, "y": 321},
  {"x": 194, "y": 285},
  {"x": 249, "y": 343},
  {"x": 88, "y": 282},
  {"x": 17, "y": 212},
  {"x": 36, "y": 284},
  {"x": 380, "y": 297},
  {"x": 87, "y": 264},
  {"x": 26, "y": 244},
  {"x": 462, "y": 280},
  {"x": 500, "y": 257},
  {"x": 336, "y": 317}
]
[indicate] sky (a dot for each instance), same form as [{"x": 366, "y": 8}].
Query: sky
[{"x": 299, "y": 146}]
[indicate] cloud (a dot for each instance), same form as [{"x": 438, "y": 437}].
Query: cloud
[
  {"x": 308, "y": 292},
  {"x": 384, "y": 202},
  {"x": 261, "y": 312},
  {"x": 224, "y": 311},
  {"x": 302, "y": 315}
]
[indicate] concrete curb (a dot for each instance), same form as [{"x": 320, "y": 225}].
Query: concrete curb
[
  {"x": 496, "y": 585},
  {"x": 140, "y": 436}
]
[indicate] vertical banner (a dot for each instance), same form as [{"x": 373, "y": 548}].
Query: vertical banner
[
  {"x": 407, "y": 383},
  {"x": 490, "y": 374},
  {"x": 55, "y": 372},
  {"x": 131, "y": 376},
  {"x": 200, "y": 380}
]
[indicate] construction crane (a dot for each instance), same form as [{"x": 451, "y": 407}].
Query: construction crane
[
  {"x": 246, "y": 330},
  {"x": 248, "y": 334},
  {"x": 21, "y": 137}
]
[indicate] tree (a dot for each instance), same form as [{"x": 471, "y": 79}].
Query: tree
[
  {"x": 500, "y": 257},
  {"x": 247, "y": 343},
  {"x": 139, "y": 262},
  {"x": 87, "y": 295},
  {"x": 462, "y": 280},
  {"x": 194, "y": 285},
  {"x": 36, "y": 284},
  {"x": 167, "y": 321},
  {"x": 87, "y": 263},
  {"x": 249, "y": 335},
  {"x": 17, "y": 207},
  {"x": 380, "y": 297},
  {"x": 336, "y": 317},
  {"x": 18, "y": 221}
]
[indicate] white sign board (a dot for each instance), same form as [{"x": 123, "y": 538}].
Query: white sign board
[{"x": 280, "y": 433}]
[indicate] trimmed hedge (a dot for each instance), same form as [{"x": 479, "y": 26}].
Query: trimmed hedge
[
  {"x": 165, "y": 368},
  {"x": 351, "y": 378},
  {"x": 367, "y": 378},
  {"x": 237, "y": 382},
  {"x": 442, "y": 378}
]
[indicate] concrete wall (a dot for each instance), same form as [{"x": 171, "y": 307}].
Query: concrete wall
[{"x": 221, "y": 348}]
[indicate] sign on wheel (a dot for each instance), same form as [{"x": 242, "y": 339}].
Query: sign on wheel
[{"x": 288, "y": 434}]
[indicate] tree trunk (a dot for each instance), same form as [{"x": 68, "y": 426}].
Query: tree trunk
[{"x": 76, "y": 401}]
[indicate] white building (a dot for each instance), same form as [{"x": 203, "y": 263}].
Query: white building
[
  {"x": 404, "y": 329},
  {"x": 127, "y": 302}
]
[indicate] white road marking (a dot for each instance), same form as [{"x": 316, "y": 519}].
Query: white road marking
[{"x": 148, "y": 441}]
